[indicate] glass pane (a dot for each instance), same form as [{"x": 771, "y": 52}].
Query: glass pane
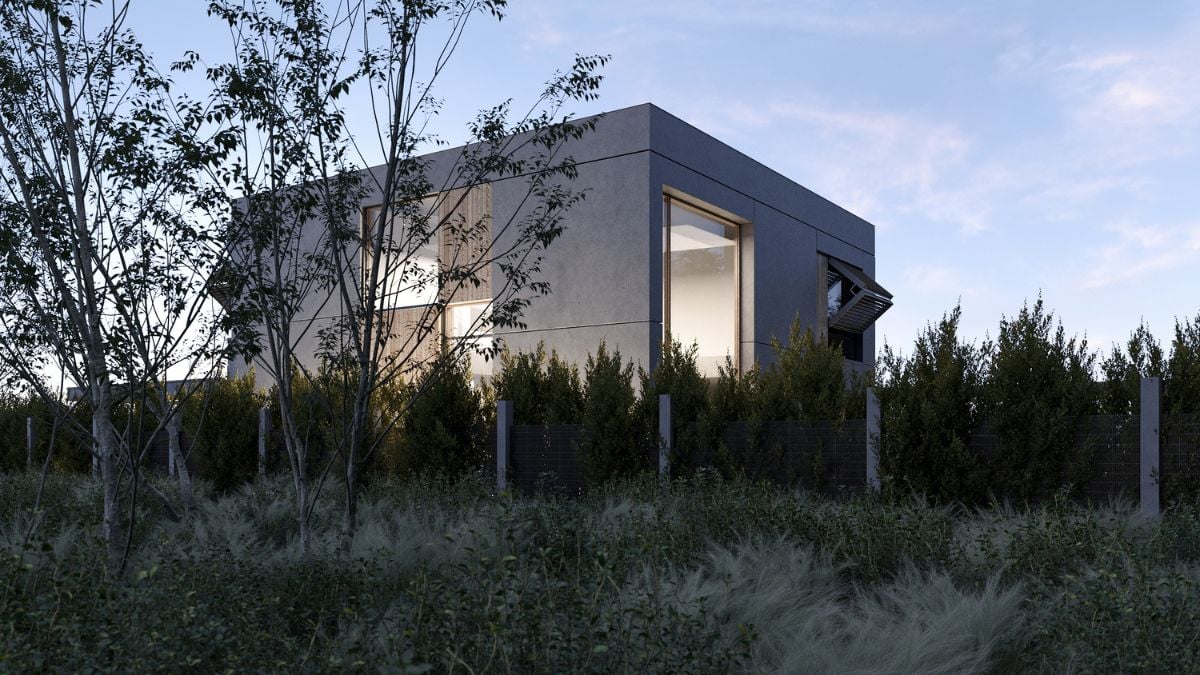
[
  {"x": 703, "y": 286},
  {"x": 409, "y": 268},
  {"x": 834, "y": 297},
  {"x": 461, "y": 320}
]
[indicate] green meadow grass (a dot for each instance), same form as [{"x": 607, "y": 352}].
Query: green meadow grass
[{"x": 703, "y": 576}]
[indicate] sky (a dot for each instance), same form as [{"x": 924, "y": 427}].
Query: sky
[{"x": 1001, "y": 149}]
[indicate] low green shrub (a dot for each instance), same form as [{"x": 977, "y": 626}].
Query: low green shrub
[
  {"x": 611, "y": 450},
  {"x": 444, "y": 430},
  {"x": 221, "y": 419},
  {"x": 701, "y": 575}
]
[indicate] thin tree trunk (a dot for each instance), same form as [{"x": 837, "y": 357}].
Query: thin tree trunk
[
  {"x": 302, "y": 509},
  {"x": 110, "y": 472},
  {"x": 177, "y": 459},
  {"x": 350, "y": 516},
  {"x": 298, "y": 456}
]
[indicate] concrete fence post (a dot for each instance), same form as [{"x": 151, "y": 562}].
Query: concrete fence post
[
  {"x": 95, "y": 451},
  {"x": 873, "y": 440},
  {"x": 172, "y": 445},
  {"x": 666, "y": 437},
  {"x": 504, "y": 423},
  {"x": 1150, "y": 456},
  {"x": 29, "y": 443},
  {"x": 264, "y": 432}
]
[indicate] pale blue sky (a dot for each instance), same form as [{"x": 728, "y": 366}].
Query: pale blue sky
[{"x": 999, "y": 147}]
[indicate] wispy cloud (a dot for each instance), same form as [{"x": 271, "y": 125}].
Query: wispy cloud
[
  {"x": 836, "y": 19},
  {"x": 1137, "y": 251},
  {"x": 1098, "y": 62},
  {"x": 879, "y": 164}
]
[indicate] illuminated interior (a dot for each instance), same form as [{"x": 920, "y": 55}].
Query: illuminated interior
[{"x": 701, "y": 289}]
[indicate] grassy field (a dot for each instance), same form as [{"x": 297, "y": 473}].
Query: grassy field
[{"x": 705, "y": 576}]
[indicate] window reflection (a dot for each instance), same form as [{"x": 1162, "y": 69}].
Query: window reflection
[
  {"x": 466, "y": 322},
  {"x": 408, "y": 269},
  {"x": 702, "y": 284}
]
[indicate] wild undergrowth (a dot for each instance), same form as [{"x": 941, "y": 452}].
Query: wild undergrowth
[{"x": 703, "y": 575}]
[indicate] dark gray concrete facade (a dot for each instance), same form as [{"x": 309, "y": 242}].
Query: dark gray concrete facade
[{"x": 606, "y": 270}]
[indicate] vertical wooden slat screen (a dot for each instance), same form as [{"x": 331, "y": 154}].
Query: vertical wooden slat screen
[
  {"x": 405, "y": 324},
  {"x": 465, "y": 239}
]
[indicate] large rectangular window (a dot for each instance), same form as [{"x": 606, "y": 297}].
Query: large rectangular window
[
  {"x": 409, "y": 262},
  {"x": 435, "y": 273},
  {"x": 700, "y": 282}
]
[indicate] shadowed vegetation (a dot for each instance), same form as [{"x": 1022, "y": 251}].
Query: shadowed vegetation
[{"x": 703, "y": 576}]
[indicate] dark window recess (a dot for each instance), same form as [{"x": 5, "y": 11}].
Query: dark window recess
[{"x": 851, "y": 344}]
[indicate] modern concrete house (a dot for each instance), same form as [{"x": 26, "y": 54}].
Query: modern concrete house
[{"x": 680, "y": 232}]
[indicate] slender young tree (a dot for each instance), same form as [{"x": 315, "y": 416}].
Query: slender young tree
[
  {"x": 474, "y": 249},
  {"x": 306, "y": 267},
  {"x": 106, "y": 256}
]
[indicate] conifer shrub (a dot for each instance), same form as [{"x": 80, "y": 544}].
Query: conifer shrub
[
  {"x": 384, "y": 446},
  {"x": 931, "y": 405},
  {"x": 1182, "y": 386},
  {"x": 563, "y": 392},
  {"x": 676, "y": 374},
  {"x": 444, "y": 432},
  {"x": 730, "y": 400},
  {"x": 221, "y": 419},
  {"x": 1039, "y": 386},
  {"x": 70, "y": 445},
  {"x": 543, "y": 390},
  {"x": 1181, "y": 411},
  {"x": 806, "y": 381},
  {"x": 611, "y": 450},
  {"x": 1123, "y": 370}
]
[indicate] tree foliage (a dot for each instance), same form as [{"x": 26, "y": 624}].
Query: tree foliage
[
  {"x": 1040, "y": 384},
  {"x": 611, "y": 450},
  {"x": 932, "y": 404}
]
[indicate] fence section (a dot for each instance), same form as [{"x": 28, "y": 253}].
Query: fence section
[
  {"x": 1180, "y": 448},
  {"x": 546, "y": 457},
  {"x": 819, "y": 456}
]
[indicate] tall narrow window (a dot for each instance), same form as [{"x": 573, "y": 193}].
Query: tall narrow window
[
  {"x": 467, "y": 323},
  {"x": 700, "y": 274}
]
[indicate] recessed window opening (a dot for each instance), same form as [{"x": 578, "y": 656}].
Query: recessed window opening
[
  {"x": 466, "y": 325},
  {"x": 408, "y": 268},
  {"x": 700, "y": 283},
  {"x": 853, "y": 301}
]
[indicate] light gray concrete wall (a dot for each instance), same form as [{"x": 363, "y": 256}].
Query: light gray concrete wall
[
  {"x": 688, "y": 146},
  {"x": 599, "y": 269},
  {"x": 606, "y": 269}
]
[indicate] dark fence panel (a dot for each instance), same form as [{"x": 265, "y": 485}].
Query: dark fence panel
[
  {"x": 818, "y": 456},
  {"x": 821, "y": 456},
  {"x": 1115, "y": 450},
  {"x": 159, "y": 456},
  {"x": 1115, "y": 442},
  {"x": 1180, "y": 454},
  {"x": 546, "y": 457}
]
